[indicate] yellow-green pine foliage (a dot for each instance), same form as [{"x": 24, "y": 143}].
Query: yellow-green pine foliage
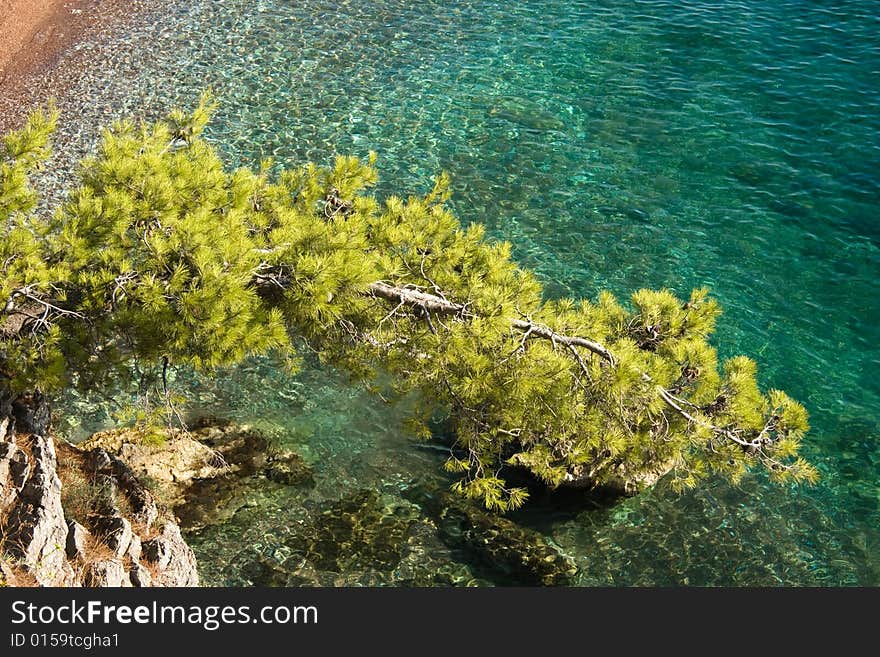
[
  {"x": 162, "y": 255},
  {"x": 29, "y": 279}
]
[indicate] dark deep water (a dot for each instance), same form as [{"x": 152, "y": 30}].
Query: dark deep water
[{"x": 616, "y": 145}]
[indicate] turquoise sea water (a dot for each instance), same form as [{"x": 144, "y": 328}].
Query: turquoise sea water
[{"x": 615, "y": 144}]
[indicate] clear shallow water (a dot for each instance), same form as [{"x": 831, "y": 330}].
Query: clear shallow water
[{"x": 616, "y": 145}]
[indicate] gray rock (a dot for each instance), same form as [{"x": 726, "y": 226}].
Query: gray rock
[
  {"x": 103, "y": 464},
  {"x": 14, "y": 471},
  {"x": 31, "y": 413},
  {"x": 174, "y": 558},
  {"x": 157, "y": 551},
  {"x": 140, "y": 576},
  {"x": 98, "y": 460},
  {"x": 7, "y": 451},
  {"x": 6, "y": 395},
  {"x": 107, "y": 572},
  {"x": 7, "y": 574},
  {"x": 105, "y": 499},
  {"x": 19, "y": 468},
  {"x": 135, "y": 548},
  {"x": 37, "y": 529},
  {"x": 77, "y": 536}
]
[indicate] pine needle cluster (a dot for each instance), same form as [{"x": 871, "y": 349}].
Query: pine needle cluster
[{"x": 161, "y": 256}]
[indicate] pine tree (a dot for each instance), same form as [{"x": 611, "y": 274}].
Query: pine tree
[{"x": 162, "y": 257}]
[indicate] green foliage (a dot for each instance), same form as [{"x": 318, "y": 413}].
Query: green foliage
[
  {"x": 161, "y": 256},
  {"x": 28, "y": 276}
]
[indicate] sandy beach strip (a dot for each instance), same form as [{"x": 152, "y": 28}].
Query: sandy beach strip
[
  {"x": 32, "y": 32},
  {"x": 42, "y": 54},
  {"x": 34, "y": 35},
  {"x": 89, "y": 57}
]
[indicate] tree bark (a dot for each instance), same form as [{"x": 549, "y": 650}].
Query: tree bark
[{"x": 432, "y": 303}]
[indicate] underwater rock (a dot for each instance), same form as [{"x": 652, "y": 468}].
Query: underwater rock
[
  {"x": 249, "y": 455},
  {"x": 525, "y": 113},
  {"x": 289, "y": 469},
  {"x": 757, "y": 174},
  {"x": 358, "y": 532},
  {"x": 202, "y": 474},
  {"x": 505, "y": 552},
  {"x": 262, "y": 571},
  {"x": 366, "y": 538}
]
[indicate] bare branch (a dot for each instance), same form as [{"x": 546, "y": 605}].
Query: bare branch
[{"x": 442, "y": 306}]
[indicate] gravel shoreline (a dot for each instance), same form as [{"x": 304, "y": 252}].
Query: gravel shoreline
[
  {"x": 40, "y": 44},
  {"x": 69, "y": 44},
  {"x": 31, "y": 31},
  {"x": 89, "y": 66}
]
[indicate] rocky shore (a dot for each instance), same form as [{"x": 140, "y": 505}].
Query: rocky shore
[
  {"x": 115, "y": 510},
  {"x": 74, "y": 517},
  {"x": 79, "y": 515}
]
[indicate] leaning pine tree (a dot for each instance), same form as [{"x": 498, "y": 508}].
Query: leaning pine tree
[{"x": 161, "y": 257}]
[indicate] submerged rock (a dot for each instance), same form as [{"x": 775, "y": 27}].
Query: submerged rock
[
  {"x": 289, "y": 469},
  {"x": 172, "y": 465},
  {"x": 525, "y": 113},
  {"x": 505, "y": 552},
  {"x": 366, "y": 538},
  {"x": 428, "y": 537},
  {"x": 359, "y": 532}
]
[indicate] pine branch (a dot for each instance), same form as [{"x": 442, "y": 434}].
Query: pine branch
[{"x": 430, "y": 303}]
